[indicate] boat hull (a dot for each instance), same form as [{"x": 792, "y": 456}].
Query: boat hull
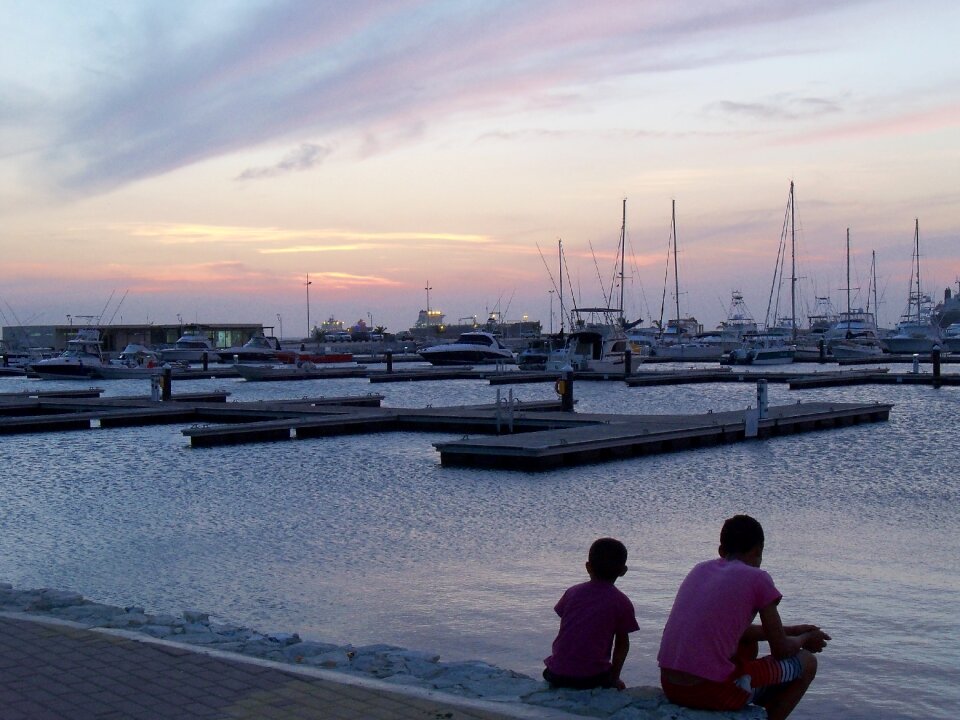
[{"x": 466, "y": 357}]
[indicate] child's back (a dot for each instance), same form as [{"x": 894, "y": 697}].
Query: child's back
[{"x": 595, "y": 620}]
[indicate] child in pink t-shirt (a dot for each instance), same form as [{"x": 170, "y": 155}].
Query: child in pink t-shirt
[
  {"x": 708, "y": 653},
  {"x": 595, "y": 621}
]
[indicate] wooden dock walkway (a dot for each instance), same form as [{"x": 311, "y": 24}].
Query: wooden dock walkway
[
  {"x": 618, "y": 437},
  {"x": 534, "y": 435}
]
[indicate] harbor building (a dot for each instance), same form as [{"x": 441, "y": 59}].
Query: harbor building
[{"x": 116, "y": 337}]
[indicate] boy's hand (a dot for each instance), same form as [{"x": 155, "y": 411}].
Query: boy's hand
[{"x": 815, "y": 640}]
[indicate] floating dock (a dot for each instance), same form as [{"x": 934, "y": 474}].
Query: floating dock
[
  {"x": 516, "y": 435},
  {"x": 618, "y": 437}
]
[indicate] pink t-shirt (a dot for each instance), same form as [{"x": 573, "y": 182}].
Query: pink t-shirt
[
  {"x": 714, "y": 606},
  {"x": 591, "y": 614}
]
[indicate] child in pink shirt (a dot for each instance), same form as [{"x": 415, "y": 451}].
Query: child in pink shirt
[
  {"x": 708, "y": 653},
  {"x": 595, "y": 621}
]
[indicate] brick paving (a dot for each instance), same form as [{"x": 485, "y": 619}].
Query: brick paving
[{"x": 62, "y": 672}]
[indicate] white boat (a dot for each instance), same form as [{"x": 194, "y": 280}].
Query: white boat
[
  {"x": 258, "y": 348},
  {"x": 136, "y": 361},
  {"x": 594, "y": 347},
  {"x": 951, "y": 337},
  {"x": 80, "y": 360},
  {"x": 917, "y": 331},
  {"x": 855, "y": 333},
  {"x": 535, "y": 355},
  {"x": 762, "y": 349},
  {"x": 471, "y": 348},
  {"x": 856, "y": 348},
  {"x": 190, "y": 348},
  {"x": 302, "y": 371}
]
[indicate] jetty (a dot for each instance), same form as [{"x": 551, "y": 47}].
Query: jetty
[{"x": 515, "y": 435}]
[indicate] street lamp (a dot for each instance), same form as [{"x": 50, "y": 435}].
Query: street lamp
[
  {"x": 308, "y": 305},
  {"x": 280, "y": 322}
]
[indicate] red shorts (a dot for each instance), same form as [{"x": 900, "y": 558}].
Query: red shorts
[{"x": 743, "y": 686}]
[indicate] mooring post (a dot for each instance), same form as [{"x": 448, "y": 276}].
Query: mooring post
[
  {"x": 6, "y": 363},
  {"x": 627, "y": 363},
  {"x": 916, "y": 364},
  {"x": 497, "y": 412},
  {"x": 167, "y": 383},
  {"x": 389, "y": 356},
  {"x": 566, "y": 397},
  {"x": 510, "y": 412},
  {"x": 206, "y": 361},
  {"x": 761, "y": 398},
  {"x": 935, "y": 359},
  {"x": 822, "y": 348},
  {"x": 155, "y": 381}
]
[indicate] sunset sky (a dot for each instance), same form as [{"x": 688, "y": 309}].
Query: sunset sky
[{"x": 204, "y": 157}]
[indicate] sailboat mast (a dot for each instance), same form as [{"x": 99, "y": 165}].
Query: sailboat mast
[
  {"x": 916, "y": 253},
  {"x": 793, "y": 268},
  {"x": 676, "y": 278},
  {"x": 560, "y": 261},
  {"x": 848, "y": 282},
  {"x": 623, "y": 252},
  {"x": 873, "y": 279}
]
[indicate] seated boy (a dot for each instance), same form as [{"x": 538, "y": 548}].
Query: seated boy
[
  {"x": 595, "y": 619},
  {"x": 708, "y": 654}
]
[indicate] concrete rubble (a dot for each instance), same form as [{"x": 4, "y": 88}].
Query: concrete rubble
[{"x": 392, "y": 664}]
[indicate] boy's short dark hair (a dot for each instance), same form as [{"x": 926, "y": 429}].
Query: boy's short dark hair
[
  {"x": 607, "y": 558},
  {"x": 740, "y": 534}
]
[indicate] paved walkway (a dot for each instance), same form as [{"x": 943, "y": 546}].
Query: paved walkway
[{"x": 59, "y": 671}]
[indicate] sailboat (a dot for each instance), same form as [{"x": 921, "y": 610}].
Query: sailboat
[
  {"x": 854, "y": 335},
  {"x": 776, "y": 345},
  {"x": 678, "y": 340},
  {"x": 916, "y": 332},
  {"x": 597, "y": 338}
]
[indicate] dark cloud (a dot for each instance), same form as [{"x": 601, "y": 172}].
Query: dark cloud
[
  {"x": 305, "y": 157},
  {"x": 782, "y": 107}
]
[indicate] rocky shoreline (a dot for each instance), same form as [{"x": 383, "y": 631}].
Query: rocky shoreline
[{"x": 388, "y": 663}]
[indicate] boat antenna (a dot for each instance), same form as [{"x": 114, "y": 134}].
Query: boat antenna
[
  {"x": 606, "y": 297},
  {"x": 110, "y": 321},
  {"x": 105, "y": 305}
]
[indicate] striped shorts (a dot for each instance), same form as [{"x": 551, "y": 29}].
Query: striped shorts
[{"x": 750, "y": 682}]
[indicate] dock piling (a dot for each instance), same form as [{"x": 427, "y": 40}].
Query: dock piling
[
  {"x": 389, "y": 356},
  {"x": 762, "y": 398},
  {"x": 916, "y": 364},
  {"x": 167, "y": 384},
  {"x": 206, "y": 361},
  {"x": 627, "y": 363},
  {"x": 565, "y": 388}
]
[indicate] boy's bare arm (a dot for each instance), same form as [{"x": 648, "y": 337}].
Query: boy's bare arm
[
  {"x": 786, "y": 641},
  {"x": 621, "y": 646}
]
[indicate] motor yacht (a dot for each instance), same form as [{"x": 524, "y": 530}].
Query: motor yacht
[
  {"x": 80, "y": 360},
  {"x": 471, "y": 348},
  {"x": 258, "y": 348},
  {"x": 190, "y": 348}
]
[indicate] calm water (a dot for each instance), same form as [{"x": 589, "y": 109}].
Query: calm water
[{"x": 367, "y": 539}]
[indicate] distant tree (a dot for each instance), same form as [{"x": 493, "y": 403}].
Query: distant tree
[
  {"x": 317, "y": 334},
  {"x": 380, "y": 329}
]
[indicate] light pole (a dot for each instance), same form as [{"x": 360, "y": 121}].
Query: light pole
[
  {"x": 551, "y": 310},
  {"x": 280, "y": 321},
  {"x": 308, "y": 305}
]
